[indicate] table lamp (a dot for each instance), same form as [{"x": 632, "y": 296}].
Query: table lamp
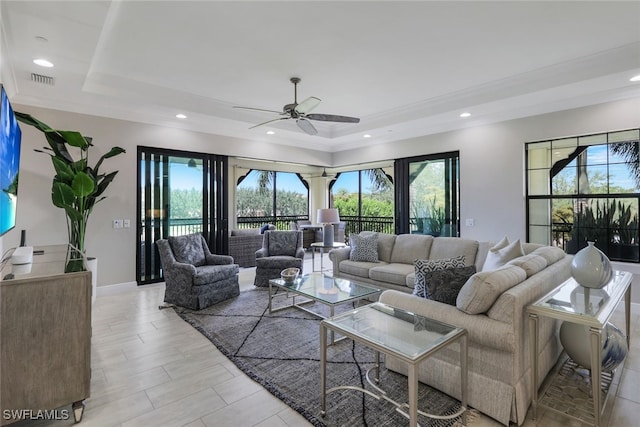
[{"x": 328, "y": 217}]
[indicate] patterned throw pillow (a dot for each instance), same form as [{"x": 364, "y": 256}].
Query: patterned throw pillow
[
  {"x": 363, "y": 248},
  {"x": 444, "y": 285},
  {"x": 188, "y": 249},
  {"x": 423, "y": 266}
]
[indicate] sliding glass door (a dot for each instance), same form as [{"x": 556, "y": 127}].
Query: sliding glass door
[
  {"x": 178, "y": 193},
  {"x": 427, "y": 199}
]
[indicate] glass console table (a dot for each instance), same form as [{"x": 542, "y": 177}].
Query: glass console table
[
  {"x": 571, "y": 302},
  {"x": 399, "y": 333}
]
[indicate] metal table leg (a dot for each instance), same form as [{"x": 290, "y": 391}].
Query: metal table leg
[
  {"x": 323, "y": 370},
  {"x": 596, "y": 357},
  {"x": 533, "y": 347}
]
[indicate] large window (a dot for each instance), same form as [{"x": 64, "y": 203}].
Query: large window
[
  {"x": 585, "y": 188},
  {"x": 271, "y": 197},
  {"x": 364, "y": 200}
]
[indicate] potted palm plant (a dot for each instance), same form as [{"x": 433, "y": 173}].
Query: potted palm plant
[{"x": 77, "y": 187}]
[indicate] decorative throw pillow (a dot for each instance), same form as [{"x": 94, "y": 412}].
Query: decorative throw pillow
[
  {"x": 444, "y": 285},
  {"x": 423, "y": 266},
  {"x": 500, "y": 255},
  {"x": 363, "y": 248},
  {"x": 264, "y": 228},
  {"x": 188, "y": 249}
]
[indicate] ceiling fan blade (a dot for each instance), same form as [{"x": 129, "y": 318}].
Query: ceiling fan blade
[
  {"x": 258, "y": 109},
  {"x": 332, "y": 118},
  {"x": 270, "y": 121},
  {"x": 306, "y": 126},
  {"x": 307, "y": 105}
]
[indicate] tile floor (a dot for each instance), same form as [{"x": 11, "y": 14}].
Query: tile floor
[{"x": 150, "y": 368}]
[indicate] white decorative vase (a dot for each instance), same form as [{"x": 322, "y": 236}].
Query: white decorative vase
[
  {"x": 591, "y": 268},
  {"x": 576, "y": 341}
]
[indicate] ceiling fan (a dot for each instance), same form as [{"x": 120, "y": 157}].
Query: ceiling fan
[{"x": 300, "y": 112}]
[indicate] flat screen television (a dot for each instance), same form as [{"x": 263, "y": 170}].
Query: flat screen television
[{"x": 10, "y": 137}]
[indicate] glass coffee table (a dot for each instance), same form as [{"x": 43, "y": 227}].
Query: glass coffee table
[
  {"x": 322, "y": 288},
  {"x": 399, "y": 333}
]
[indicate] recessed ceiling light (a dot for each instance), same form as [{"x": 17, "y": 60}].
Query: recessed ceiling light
[
  {"x": 43, "y": 63},
  {"x": 270, "y": 132},
  {"x": 635, "y": 78},
  {"x": 181, "y": 116},
  {"x": 366, "y": 135},
  {"x": 465, "y": 114}
]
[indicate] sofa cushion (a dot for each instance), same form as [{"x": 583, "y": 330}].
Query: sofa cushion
[
  {"x": 357, "y": 268},
  {"x": 410, "y": 280},
  {"x": 408, "y": 247},
  {"x": 528, "y": 247},
  {"x": 444, "y": 285},
  {"x": 499, "y": 255},
  {"x": 483, "y": 288},
  {"x": 363, "y": 248},
  {"x": 214, "y": 273},
  {"x": 188, "y": 249},
  {"x": 395, "y": 273},
  {"x": 423, "y": 266},
  {"x": 531, "y": 263},
  {"x": 552, "y": 254},
  {"x": 450, "y": 247}
]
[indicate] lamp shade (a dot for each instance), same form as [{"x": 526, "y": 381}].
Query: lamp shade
[{"x": 328, "y": 216}]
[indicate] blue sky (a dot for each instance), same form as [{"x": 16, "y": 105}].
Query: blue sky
[{"x": 184, "y": 177}]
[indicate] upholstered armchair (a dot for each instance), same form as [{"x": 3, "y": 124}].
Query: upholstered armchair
[
  {"x": 280, "y": 250},
  {"x": 194, "y": 277}
]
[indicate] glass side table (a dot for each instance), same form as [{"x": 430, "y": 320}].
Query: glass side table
[
  {"x": 592, "y": 308},
  {"x": 322, "y": 247},
  {"x": 399, "y": 333}
]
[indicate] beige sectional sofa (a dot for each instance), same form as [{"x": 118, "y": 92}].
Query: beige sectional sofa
[{"x": 491, "y": 306}]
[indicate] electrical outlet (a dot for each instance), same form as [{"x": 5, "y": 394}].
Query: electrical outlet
[
  {"x": 470, "y": 222},
  {"x": 117, "y": 223},
  {"x": 126, "y": 223}
]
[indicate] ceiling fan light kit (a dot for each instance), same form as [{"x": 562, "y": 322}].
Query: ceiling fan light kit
[{"x": 300, "y": 112}]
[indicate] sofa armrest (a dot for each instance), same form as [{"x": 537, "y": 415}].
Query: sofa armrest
[
  {"x": 181, "y": 268},
  {"x": 481, "y": 329},
  {"x": 336, "y": 256},
  {"x": 261, "y": 253},
  {"x": 300, "y": 253}
]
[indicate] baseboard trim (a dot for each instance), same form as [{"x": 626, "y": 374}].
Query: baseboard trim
[{"x": 116, "y": 288}]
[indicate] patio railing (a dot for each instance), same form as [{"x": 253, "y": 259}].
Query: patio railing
[{"x": 354, "y": 224}]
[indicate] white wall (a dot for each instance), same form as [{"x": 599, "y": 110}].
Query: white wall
[
  {"x": 491, "y": 158},
  {"x": 115, "y": 248}
]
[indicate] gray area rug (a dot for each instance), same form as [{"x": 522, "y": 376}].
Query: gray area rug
[{"x": 282, "y": 353}]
